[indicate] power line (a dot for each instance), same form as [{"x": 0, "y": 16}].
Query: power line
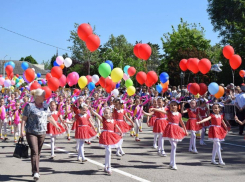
[{"x": 35, "y": 40}]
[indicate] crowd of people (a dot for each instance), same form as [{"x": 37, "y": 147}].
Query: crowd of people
[{"x": 109, "y": 118}]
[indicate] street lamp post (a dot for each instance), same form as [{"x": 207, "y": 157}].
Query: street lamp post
[
  {"x": 182, "y": 76},
  {"x": 3, "y": 65}
]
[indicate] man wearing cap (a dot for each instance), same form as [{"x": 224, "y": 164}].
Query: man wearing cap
[{"x": 240, "y": 108}]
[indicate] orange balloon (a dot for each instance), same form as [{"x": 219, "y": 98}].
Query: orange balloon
[
  {"x": 62, "y": 66},
  {"x": 220, "y": 93},
  {"x": 165, "y": 85}
]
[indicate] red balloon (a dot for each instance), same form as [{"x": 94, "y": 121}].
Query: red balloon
[
  {"x": 29, "y": 74},
  {"x": 204, "y": 66},
  {"x": 131, "y": 71},
  {"x": 152, "y": 77},
  {"x": 48, "y": 92},
  {"x": 136, "y": 50},
  {"x": 93, "y": 42},
  {"x": 56, "y": 72},
  {"x": 48, "y": 76},
  {"x": 183, "y": 64},
  {"x": 76, "y": 91},
  {"x": 53, "y": 84},
  {"x": 89, "y": 78},
  {"x": 164, "y": 89},
  {"x": 188, "y": 86},
  {"x": 102, "y": 82},
  {"x": 194, "y": 88},
  {"x": 84, "y": 30},
  {"x": 147, "y": 83},
  {"x": 235, "y": 61},
  {"x": 62, "y": 80},
  {"x": 242, "y": 73},
  {"x": 35, "y": 85},
  {"x": 141, "y": 77},
  {"x": 193, "y": 65},
  {"x": 108, "y": 85},
  {"x": 144, "y": 51},
  {"x": 228, "y": 51},
  {"x": 9, "y": 69},
  {"x": 11, "y": 75},
  {"x": 203, "y": 88},
  {"x": 17, "y": 75}
]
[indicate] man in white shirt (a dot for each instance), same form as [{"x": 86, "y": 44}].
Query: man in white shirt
[{"x": 240, "y": 108}]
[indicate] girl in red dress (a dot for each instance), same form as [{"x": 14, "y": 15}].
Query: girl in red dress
[
  {"x": 51, "y": 129},
  {"x": 118, "y": 115},
  {"x": 151, "y": 120},
  {"x": 173, "y": 132},
  {"x": 159, "y": 125},
  {"x": 203, "y": 113},
  {"x": 216, "y": 133},
  {"x": 191, "y": 125},
  {"x": 108, "y": 138},
  {"x": 83, "y": 130}
]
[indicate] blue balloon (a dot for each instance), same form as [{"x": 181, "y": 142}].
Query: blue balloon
[
  {"x": 91, "y": 86},
  {"x": 110, "y": 63},
  {"x": 213, "y": 88},
  {"x": 40, "y": 82},
  {"x": 11, "y": 63},
  {"x": 159, "y": 88},
  {"x": 22, "y": 88},
  {"x": 164, "y": 77},
  {"x": 24, "y": 65},
  {"x": 55, "y": 64},
  {"x": 20, "y": 77},
  {"x": 39, "y": 75},
  {"x": 125, "y": 69},
  {"x": 118, "y": 85}
]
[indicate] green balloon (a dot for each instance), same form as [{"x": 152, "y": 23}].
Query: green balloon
[
  {"x": 129, "y": 83},
  {"x": 104, "y": 70},
  {"x": 17, "y": 80}
]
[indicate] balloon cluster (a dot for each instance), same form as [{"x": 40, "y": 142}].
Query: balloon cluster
[
  {"x": 9, "y": 68},
  {"x": 234, "y": 59},
  {"x": 129, "y": 71},
  {"x": 142, "y": 51},
  {"x": 85, "y": 33},
  {"x": 62, "y": 63},
  {"x": 195, "y": 65},
  {"x": 195, "y": 88},
  {"x": 216, "y": 90},
  {"x": 163, "y": 86}
]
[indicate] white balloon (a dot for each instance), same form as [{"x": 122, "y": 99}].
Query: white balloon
[
  {"x": 33, "y": 69},
  {"x": 67, "y": 62},
  {"x": 59, "y": 60},
  {"x": 95, "y": 78},
  {"x": 115, "y": 92}
]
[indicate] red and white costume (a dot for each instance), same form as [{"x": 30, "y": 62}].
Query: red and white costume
[
  {"x": 51, "y": 129},
  {"x": 160, "y": 122},
  {"x": 118, "y": 115},
  {"x": 203, "y": 113},
  {"x": 216, "y": 132},
  {"x": 191, "y": 123}
]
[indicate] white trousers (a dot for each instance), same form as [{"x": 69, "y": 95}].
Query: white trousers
[
  {"x": 173, "y": 153},
  {"x": 17, "y": 130},
  {"x": 81, "y": 149},
  {"x": 108, "y": 158},
  {"x": 4, "y": 125},
  {"x": 217, "y": 150}
]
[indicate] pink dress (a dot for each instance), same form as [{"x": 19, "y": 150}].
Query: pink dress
[
  {"x": 216, "y": 132},
  {"x": 191, "y": 123},
  {"x": 2, "y": 113},
  {"x": 173, "y": 131},
  {"x": 108, "y": 137}
]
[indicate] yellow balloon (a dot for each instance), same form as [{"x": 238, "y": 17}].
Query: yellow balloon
[
  {"x": 131, "y": 90},
  {"x": 82, "y": 82},
  {"x": 12, "y": 88},
  {"x": 116, "y": 74}
]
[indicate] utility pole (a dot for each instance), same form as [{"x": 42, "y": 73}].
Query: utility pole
[{"x": 3, "y": 66}]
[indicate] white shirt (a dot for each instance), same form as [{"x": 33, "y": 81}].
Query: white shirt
[{"x": 240, "y": 100}]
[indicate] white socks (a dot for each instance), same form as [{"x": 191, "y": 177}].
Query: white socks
[
  {"x": 173, "y": 153},
  {"x": 202, "y": 136},
  {"x": 81, "y": 149},
  {"x": 192, "y": 145},
  {"x": 160, "y": 143},
  {"x": 52, "y": 145},
  {"x": 108, "y": 158},
  {"x": 155, "y": 140}
]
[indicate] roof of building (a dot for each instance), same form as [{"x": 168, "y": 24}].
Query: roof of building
[{"x": 19, "y": 70}]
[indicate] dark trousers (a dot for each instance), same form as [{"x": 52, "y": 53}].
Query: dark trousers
[
  {"x": 35, "y": 143},
  {"x": 241, "y": 117}
]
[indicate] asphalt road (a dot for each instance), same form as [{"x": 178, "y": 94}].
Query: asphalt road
[{"x": 141, "y": 162}]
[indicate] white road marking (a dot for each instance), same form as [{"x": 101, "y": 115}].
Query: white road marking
[{"x": 101, "y": 165}]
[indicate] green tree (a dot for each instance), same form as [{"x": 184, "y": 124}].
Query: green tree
[
  {"x": 228, "y": 18},
  {"x": 186, "y": 42},
  {"x": 29, "y": 59}
]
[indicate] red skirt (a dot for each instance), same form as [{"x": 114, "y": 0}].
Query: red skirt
[
  {"x": 85, "y": 133},
  {"x": 160, "y": 125},
  {"x": 74, "y": 126},
  {"x": 206, "y": 124},
  {"x": 152, "y": 121},
  {"x": 174, "y": 132},
  {"x": 111, "y": 139},
  {"x": 216, "y": 133},
  {"x": 192, "y": 126},
  {"x": 124, "y": 126},
  {"x": 51, "y": 129}
]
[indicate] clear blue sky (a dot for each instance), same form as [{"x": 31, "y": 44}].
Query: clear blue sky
[{"x": 51, "y": 21}]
